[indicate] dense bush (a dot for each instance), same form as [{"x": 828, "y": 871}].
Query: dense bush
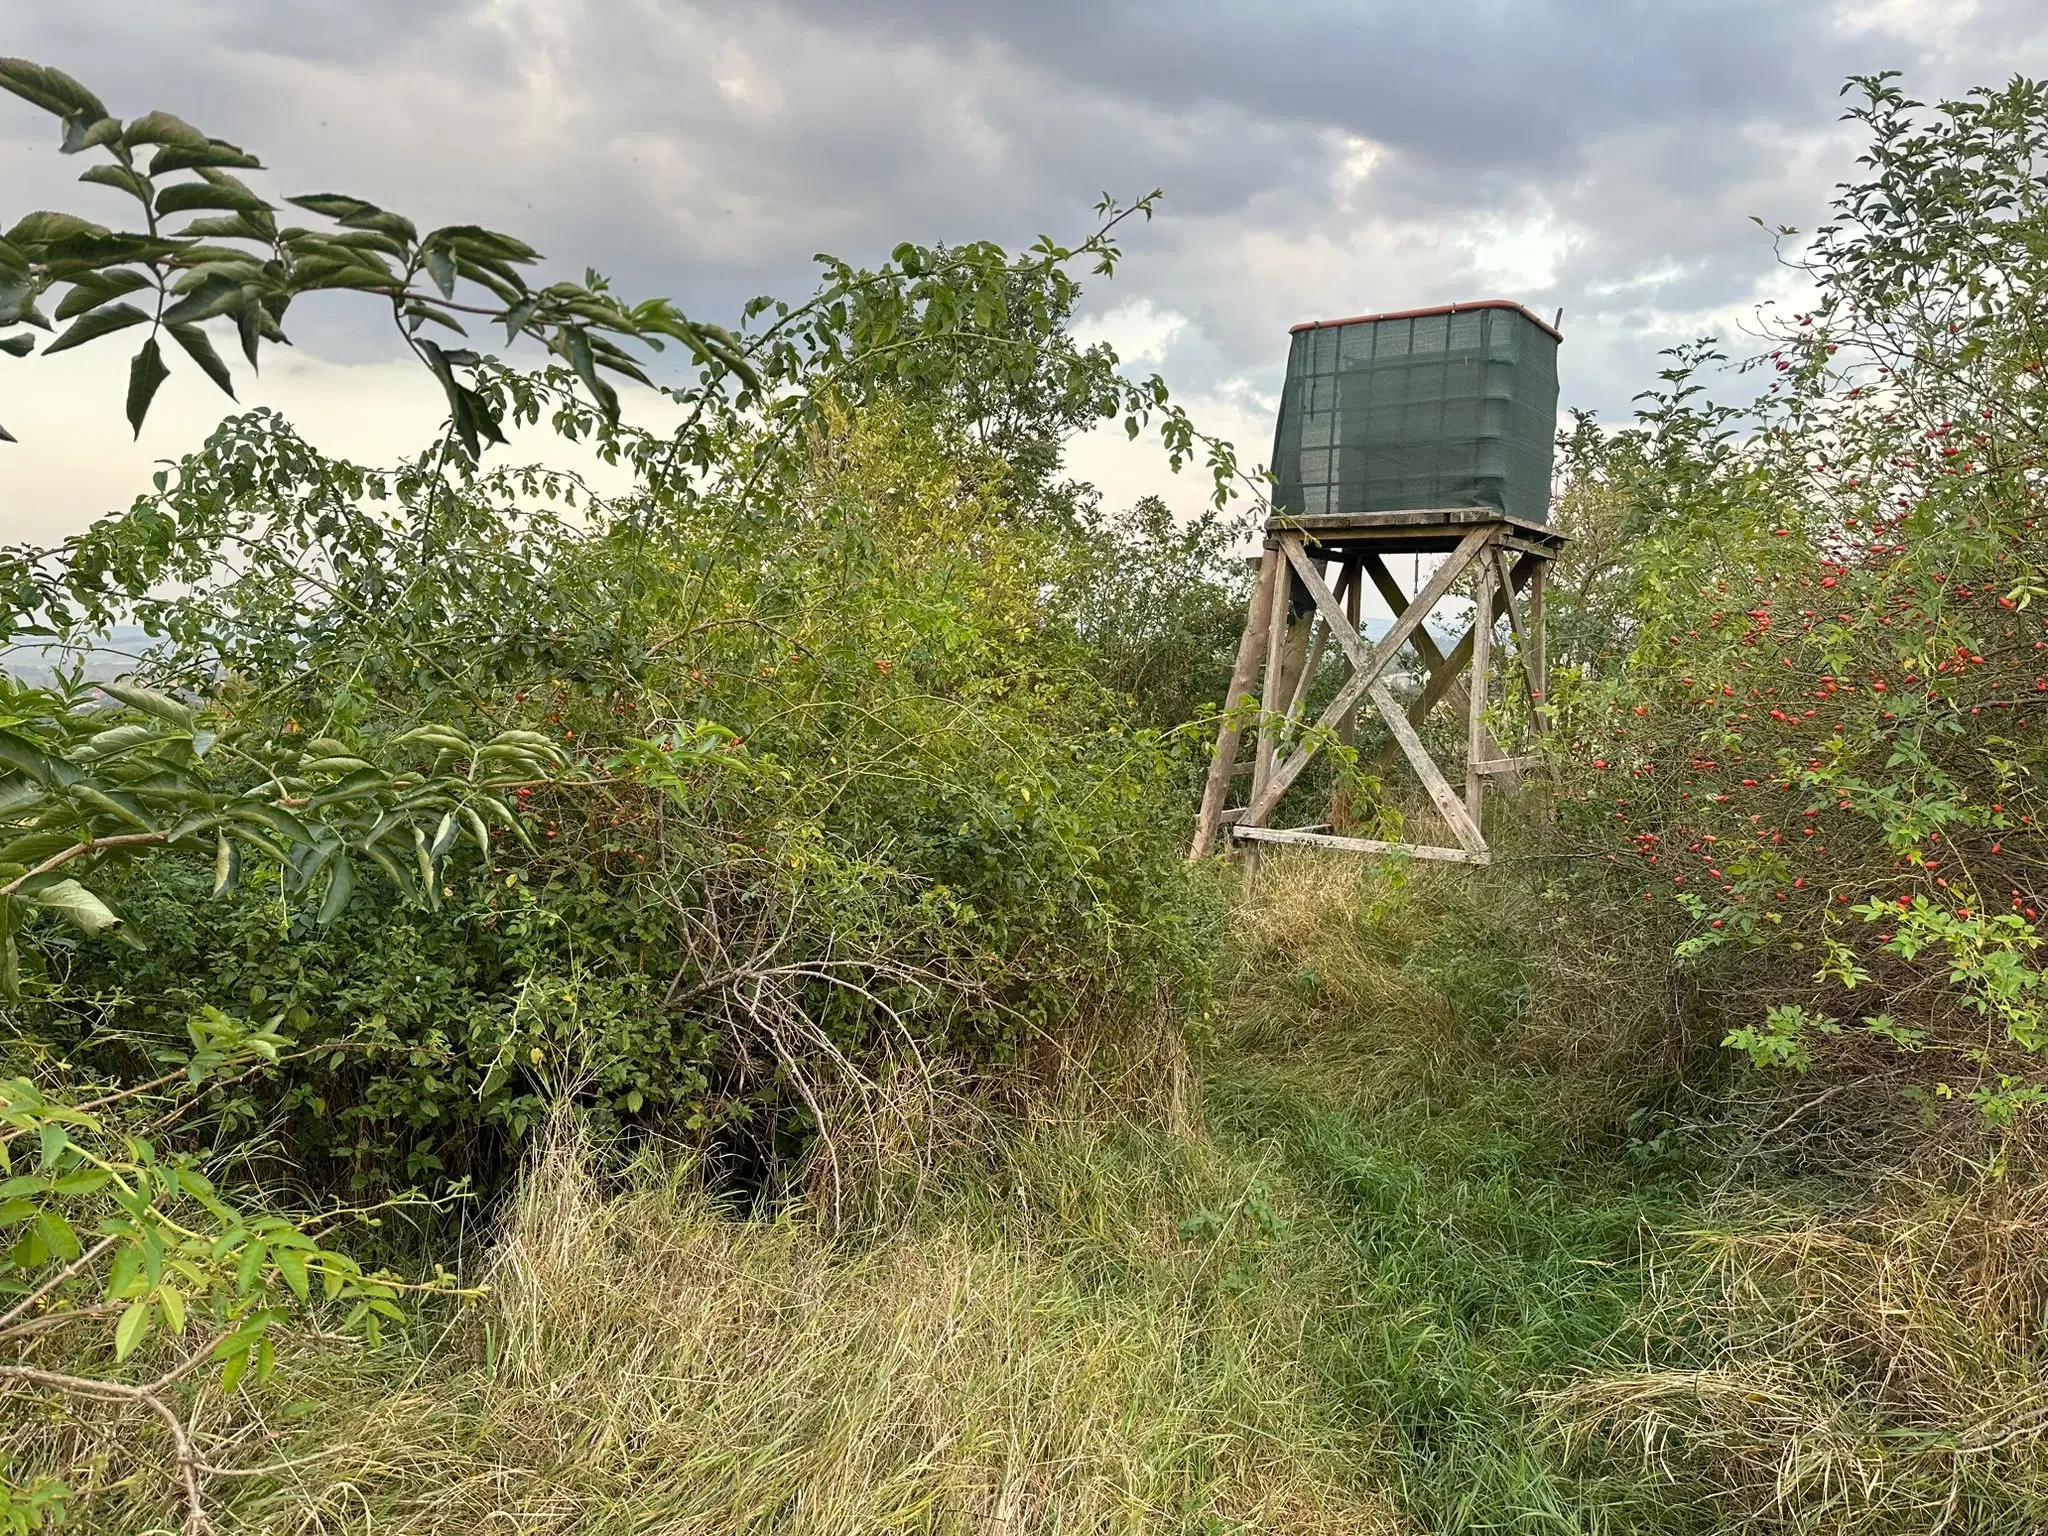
[
  {"x": 856, "y": 798},
  {"x": 814, "y": 770},
  {"x": 1810, "y": 708}
]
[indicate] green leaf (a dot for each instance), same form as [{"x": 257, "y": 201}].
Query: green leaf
[
  {"x": 354, "y": 213},
  {"x": 145, "y": 374},
  {"x": 216, "y": 294},
  {"x": 18, "y": 346},
  {"x": 249, "y": 1266},
  {"x": 10, "y": 954},
  {"x": 51, "y": 1140},
  {"x": 96, "y": 288},
  {"x": 129, "y": 1331},
  {"x": 165, "y": 128},
  {"x": 238, "y": 226},
  {"x": 395, "y": 873},
  {"x": 173, "y": 1304},
  {"x": 478, "y": 243},
  {"x": 44, "y": 228},
  {"x": 117, "y": 741},
  {"x": 120, "y": 807},
  {"x": 127, "y": 1267},
  {"x": 233, "y": 1367},
  {"x": 477, "y": 830},
  {"x": 263, "y": 814},
  {"x": 84, "y": 910},
  {"x": 424, "y": 861},
  {"x": 121, "y": 179},
  {"x": 341, "y": 885},
  {"x": 576, "y": 342},
  {"x": 58, "y": 1236},
  {"x": 441, "y": 268},
  {"x": 98, "y": 322},
  {"x": 334, "y": 205},
  {"x": 291, "y": 1265},
  {"x": 200, "y": 350},
  {"x": 150, "y": 702},
  {"x": 51, "y": 89},
  {"x": 185, "y": 196},
  {"x": 191, "y": 157},
  {"x": 227, "y": 865},
  {"x": 79, "y": 134}
]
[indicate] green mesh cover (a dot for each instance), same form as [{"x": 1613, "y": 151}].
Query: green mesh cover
[{"x": 1450, "y": 408}]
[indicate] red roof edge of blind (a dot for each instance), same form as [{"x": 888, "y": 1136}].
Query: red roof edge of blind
[{"x": 1436, "y": 309}]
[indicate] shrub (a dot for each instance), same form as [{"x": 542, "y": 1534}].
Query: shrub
[{"x": 1809, "y": 738}]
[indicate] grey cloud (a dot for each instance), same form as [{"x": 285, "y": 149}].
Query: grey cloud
[{"x": 705, "y": 151}]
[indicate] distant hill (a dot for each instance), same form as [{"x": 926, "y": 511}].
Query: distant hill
[{"x": 107, "y": 657}]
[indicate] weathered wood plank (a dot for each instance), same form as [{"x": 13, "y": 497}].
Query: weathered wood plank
[
  {"x": 1419, "y": 517},
  {"x": 1224, "y": 764},
  {"x": 1475, "y": 688},
  {"x": 1303, "y": 838},
  {"x": 1270, "y": 696},
  {"x": 1464, "y": 826}
]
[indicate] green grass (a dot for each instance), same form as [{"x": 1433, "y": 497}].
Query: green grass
[{"x": 1491, "y": 1244}]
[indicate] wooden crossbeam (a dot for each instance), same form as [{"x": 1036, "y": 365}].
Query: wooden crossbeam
[
  {"x": 1305, "y": 838},
  {"x": 1463, "y": 822}
]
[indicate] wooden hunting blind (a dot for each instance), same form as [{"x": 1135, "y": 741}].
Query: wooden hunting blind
[{"x": 1426, "y": 431}]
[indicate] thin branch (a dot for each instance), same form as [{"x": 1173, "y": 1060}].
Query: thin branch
[
  {"x": 79, "y": 851},
  {"x": 187, "y": 1461},
  {"x": 77, "y": 1266}
]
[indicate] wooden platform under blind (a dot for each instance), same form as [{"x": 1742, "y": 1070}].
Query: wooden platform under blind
[{"x": 1312, "y": 574}]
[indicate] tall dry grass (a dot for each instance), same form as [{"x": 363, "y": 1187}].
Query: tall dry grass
[
  {"x": 1870, "y": 1368},
  {"x": 1049, "y": 1351}
]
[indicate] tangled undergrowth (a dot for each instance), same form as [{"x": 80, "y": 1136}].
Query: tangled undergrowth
[{"x": 1429, "y": 1235}]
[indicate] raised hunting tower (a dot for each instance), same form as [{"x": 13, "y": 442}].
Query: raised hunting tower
[{"x": 1426, "y": 431}]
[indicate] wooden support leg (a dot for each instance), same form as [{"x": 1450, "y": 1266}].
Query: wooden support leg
[
  {"x": 1482, "y": 659},
  {"x": 1349, "y": 589},
  {"x": 1286, "y": 650},
  {"x": 1539, "y": 646},
  {"x": 1216, "y": 791},
  {"x": 1306, "y": 680}
]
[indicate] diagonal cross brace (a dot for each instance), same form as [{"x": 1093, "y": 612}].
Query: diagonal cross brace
[
  {"x": 1367, "y": 664},
  {"x": 1464, "y": 826},
  {"x": 1443, "y": 681}
]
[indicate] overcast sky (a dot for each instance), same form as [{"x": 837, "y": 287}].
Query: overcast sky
[{"x": 1318, "y": 159}]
